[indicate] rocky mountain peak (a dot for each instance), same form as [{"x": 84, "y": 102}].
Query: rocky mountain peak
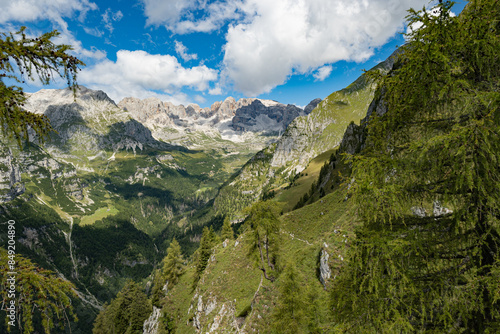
[
  {"x": 312, "y": 105},
  {"x": 65, "y": 96},
  {"x": 246, "y": 114},
  {"x": 61, "y": 106},
  {"x": 267, "y": 115},
  {"x": 225, "y": 108},
  {"x": 92, "y": 111}
]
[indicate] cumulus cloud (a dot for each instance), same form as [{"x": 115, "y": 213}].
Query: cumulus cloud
[
  {"x": 67, "y": 37},
  {"x": 283, "y": 37},
  {"x": 217, "y": 90},
  {"x": 176, "y": 15},
  {"x": 268, "y": 41},
  {"x": 138, "y": 73},
  {"x": 54, "y": 11},
  {"x": 32, "y": 10},
  {"x": 182, "y": 52},
  {"x": 200, "y": 99},
  {"x": 166, "y": 12},
  {"x": 217, "y": 14},
  {"x": 322, "y": 73}
]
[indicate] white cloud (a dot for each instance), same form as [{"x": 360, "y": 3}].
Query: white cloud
[
  {"x": 217, "y": 14},
  {"x": 200, "y": 99},
  {"x": 217, "y": 90},
  {"x": 322, "y": 73},
  {"x": 176, "y": 15},
  {"x": 165, "y": 11},
  {"x": 93, "y": 31},
  {"x": 32, "y": 10},
  {"x": 66, "y": 37},
  {"x": 268, "y": 41},
  {"x": 139, "y": 74},
  {"x": 55, "y": 11},
  {"x": 109, "y": 17},
  {"x": 280, "y": 38},
  {"x": 182, "y": 52}
]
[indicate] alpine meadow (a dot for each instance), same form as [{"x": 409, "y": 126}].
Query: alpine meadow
[{"x": 375, "y": 209}]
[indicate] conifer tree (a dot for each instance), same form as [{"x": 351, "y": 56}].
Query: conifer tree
[
  {"x": 173, "y": 266},
  {"x": 203, "y": 253},
  {"x": 126, "y": 313},
  {"x": 172, "y": 269},
  {"x": 263, "y": 220},
  {"x": 291, "y": 312},
  {"x": 34, "y": 58},
  {"x": 227, "y": 230},
  {"x": 38, "y": 293},
  {"x": 426, "y": 258},
  {"x": 213, "y": 237}
]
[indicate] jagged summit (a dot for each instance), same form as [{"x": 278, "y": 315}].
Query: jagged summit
[
  {"x": 66, "y": 95},
  {"x": 237, "y": 121},
  {"x": 247, "y": 114},
  {"x": 90, "y": 113}
]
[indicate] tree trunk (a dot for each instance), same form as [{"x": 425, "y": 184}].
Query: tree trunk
[
  {"x": 267, "y": 254},
  {"x": 263, "y": 268}
]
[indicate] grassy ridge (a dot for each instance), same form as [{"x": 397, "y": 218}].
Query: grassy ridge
[
  {"x": 303, "y": 183},
  {"x": 233, "y": 279}
]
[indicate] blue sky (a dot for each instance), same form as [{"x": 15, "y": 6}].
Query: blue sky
[{"x": 202, "y": 51}]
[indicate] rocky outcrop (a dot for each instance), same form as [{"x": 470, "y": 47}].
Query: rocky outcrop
[
  {"x": 353, "y": 139},
  {"x": 265, "y": 115},
  {"x": 151, "y": 324},
  {"x": 210, "y": 316},
  {"x": 88, "y": 107},
  {"x": 324, "y": 269},
  {"x": 10, "y": 177},
  {"x": 438, "y": 210},
  {"x": 324, "y": 127},
  {"x": 311, "y": 106},
  {"x": 297, "y": 144},
  {"x": 90, "y": 121}
]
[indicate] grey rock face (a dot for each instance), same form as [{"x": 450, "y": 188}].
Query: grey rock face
[
  {"x": 91, "y": 121},
  {"x": 296, "y": 144},
  {"x": 310, "y": 107},
  {"x": 265, "y": 115},
  {"x": 10, "y": 177},
  {"x": 438, "y": 210},
  {"x": 151, "y": 324},
  {"x": 300, "y": 142},
  {"x": 353, "y": 139},
  {"x": 226, "y": 109},
  {"x": 324, "y": 269},
  {"x": 419, "y": 211},
  {"x": 247, "y": 114},
  {"x": 36, "y": 164},
  {"x": 213, "y": 316}
]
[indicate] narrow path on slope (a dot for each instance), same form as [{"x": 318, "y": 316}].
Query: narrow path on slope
[
  {"x": 295, "y": 238},
  {"x": 242, "y": 329}
]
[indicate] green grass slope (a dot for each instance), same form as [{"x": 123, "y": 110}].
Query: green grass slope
[{"x": 233, "y": 296}]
